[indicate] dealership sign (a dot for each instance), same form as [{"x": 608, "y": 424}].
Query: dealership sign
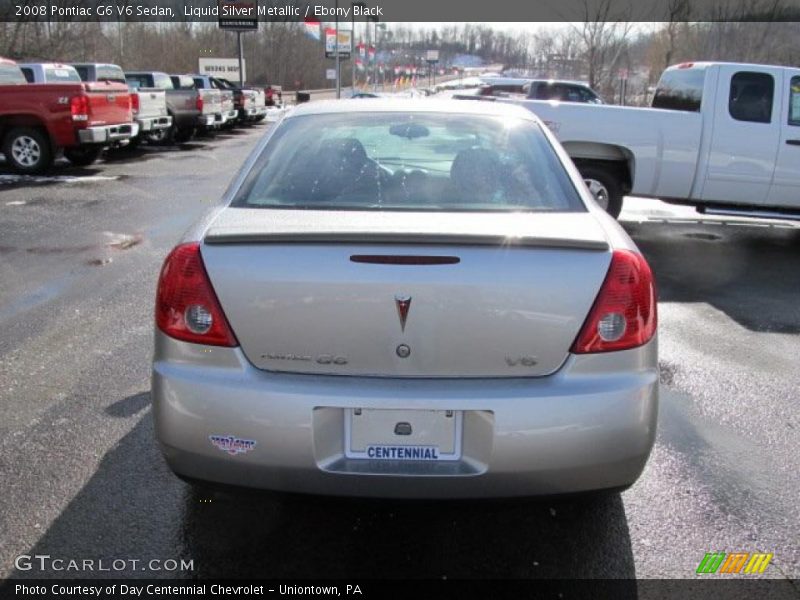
[
  {"x": 224, "y": 68},
  {"x": 239, "y": 15},
  {"x": 345, "y": 39}
]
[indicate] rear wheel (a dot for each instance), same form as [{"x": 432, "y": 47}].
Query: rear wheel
[
  {"x": 161, "y": 136},
  {"x": 605, "y": 187},
  {"x": 82, "y": 156},
  {"x": 183, "y": 135},
  {"x": 28, "y": 150}
]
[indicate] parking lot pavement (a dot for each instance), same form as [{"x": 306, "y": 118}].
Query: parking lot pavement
[{"x": 83, "y": 478}]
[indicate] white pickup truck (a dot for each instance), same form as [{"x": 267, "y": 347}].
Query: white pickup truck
[{"x": 723, "y": 137}]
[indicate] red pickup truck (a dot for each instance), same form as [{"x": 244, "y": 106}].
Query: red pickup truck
[{"x": 39, "y": 120}]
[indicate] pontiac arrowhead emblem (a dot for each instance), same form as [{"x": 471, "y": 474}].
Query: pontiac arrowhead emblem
[{"x": 403, "y": 304}]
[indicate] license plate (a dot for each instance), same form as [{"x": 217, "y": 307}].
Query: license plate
[{"x": 406, "y": 435}]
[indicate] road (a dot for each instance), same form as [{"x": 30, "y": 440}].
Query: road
[{"x": 82, "y": 478}]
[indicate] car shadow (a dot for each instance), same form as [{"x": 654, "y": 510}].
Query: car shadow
[
  {"x": 746, "y": 270},
  {"x": 133, "y": 507}
]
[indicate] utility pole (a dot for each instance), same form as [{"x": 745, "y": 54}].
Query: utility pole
[
  {"x": 338, "y": 61},
  {"x": 241, "y": 59}
]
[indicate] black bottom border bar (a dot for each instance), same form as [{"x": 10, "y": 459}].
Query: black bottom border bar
[{"x": 372, "y": 589}]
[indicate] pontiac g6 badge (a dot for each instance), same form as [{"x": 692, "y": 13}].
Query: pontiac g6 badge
[{"x": 403, "y": 304}]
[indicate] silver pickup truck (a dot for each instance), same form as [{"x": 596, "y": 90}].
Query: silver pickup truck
[
  {"x": 227, "y": 113},
  {"x": 217, "y": 106},
  {"x": 149, "y": 106}
]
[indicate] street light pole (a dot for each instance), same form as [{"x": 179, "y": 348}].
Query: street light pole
[{"x": 338, "y": 62}]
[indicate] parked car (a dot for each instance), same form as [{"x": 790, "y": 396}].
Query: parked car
[
  {"x": 183, "y": 105},
  {"x": 226, "y": 111},
  {"x": 149, "y": 106},
  {"x": 39, "y": 120},
  {"x": 563, "y": 91},
  {"x": 407, "y": 298},
  {"x": 495, "y": 86},
  {"x": 720, "y": 136}
]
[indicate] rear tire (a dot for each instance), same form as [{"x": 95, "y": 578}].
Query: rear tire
[
  {"x": 28, "y": 150},
  {"x": 605, "y": 186},
  {"x": 161, "y": 136},
  {"x": 82, "y": 156},
  {"x": 183, "y": 135}
]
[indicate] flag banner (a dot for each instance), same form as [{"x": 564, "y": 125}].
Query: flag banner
[{"x": 312, "y": 28}]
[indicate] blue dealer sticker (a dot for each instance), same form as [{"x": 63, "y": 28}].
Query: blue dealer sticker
[{"x": 232, "y": 444}]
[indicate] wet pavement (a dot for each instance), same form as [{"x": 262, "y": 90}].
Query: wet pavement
[{"x": 82, "y": 478}]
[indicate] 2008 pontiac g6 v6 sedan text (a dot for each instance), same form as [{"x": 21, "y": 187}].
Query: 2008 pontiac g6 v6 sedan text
[{"x": 407, "y": 299}]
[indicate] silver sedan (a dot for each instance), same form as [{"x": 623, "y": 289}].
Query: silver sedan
[{"x": 407, "y": 299}]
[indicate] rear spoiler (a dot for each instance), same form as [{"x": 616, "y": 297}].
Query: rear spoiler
[{"x": 223, "y": 236}]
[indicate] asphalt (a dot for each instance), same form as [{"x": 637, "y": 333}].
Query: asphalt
[{"x": 82, "y": 478}]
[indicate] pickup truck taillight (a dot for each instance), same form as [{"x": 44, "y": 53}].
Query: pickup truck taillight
[
  {"x": 199, "y": 103},
  {"x": 624, "y": 313},
  {"x": 79, "y": 107},
  {"x": 135, "y": 103}
]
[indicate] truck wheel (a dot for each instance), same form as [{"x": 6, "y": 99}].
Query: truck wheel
[
  {"x": 161, "y": 136},
  {"x": 605, "y": 187},
  {"x": 183, "y": 135},
  {"x": 28, "y": 150},
  {"x": 82, "y": 156}
]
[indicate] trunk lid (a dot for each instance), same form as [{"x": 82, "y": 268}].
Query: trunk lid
[{"x": 329, "y": 293}]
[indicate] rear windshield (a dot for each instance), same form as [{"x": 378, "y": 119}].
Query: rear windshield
[
  {"x": 11, "y": 74},
  {"x": 680, "y": 89},
  {"x": 402, "y": 161},
  {"x": 110, "y": 73},
  {"x": 61, "y": 75}
]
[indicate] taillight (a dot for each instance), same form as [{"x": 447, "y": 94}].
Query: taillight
[
  {"x": 624, "y": 312},
  {"x": 79, "y": 107},
  {"x": 135, "y": 102},
  {"x": 186, "y": 305},
  {"x": 199, "y": 102}
]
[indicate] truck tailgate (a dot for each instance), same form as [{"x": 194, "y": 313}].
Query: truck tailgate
[
  {"x": 152, "y": 102},
  {"x": 109, "y": 103},
  {"x": 212, "y": 101}
]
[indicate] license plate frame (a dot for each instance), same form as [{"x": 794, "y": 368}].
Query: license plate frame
[{"x": 426, "y": 448}]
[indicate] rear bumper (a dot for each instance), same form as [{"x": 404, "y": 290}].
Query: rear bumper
[
  {"x": 254, "y": 112},
  {"x": 208, "y": 121},
  {"x": 590, "y": 426},
  {"x": 106, "y": 134},
  {"x": 153, "y": 123}
]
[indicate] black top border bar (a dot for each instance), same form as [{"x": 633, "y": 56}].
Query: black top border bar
[{"x": 442, "y": 11}]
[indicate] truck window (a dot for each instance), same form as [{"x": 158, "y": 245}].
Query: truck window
[
  {"x": 83, "y": 73},
  {"x": 794, "y": 102},
  {"x": 110, "y": 73},
  {"x": 28, "y": 73},
  {"x": 10, "y": 74},
  {"x": 199, "y": 83},
  {"x": 136, "y": 81},
  {"x": 751, "y": 97},
  {"x": 680, "y": 89},
  {"x": 162, "y": 81},
  {"x": 61, "y": 75},
  {"x": 181, "y": 82}
]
